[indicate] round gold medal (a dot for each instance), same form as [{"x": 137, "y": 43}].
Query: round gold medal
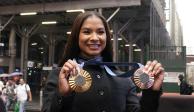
[{"x": 80, "y": 82}]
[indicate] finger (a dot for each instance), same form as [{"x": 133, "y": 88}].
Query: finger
[
  {"x": 156, "y": 67},
  {"x": 66, "y": 69},
  {"x": 71, "y": 64},
  {"x": 146, "y": 67},
  {"x": 160, "y": 70},
  {"x": 74, "y": 71},
  {"x": 151, "y": 67}
]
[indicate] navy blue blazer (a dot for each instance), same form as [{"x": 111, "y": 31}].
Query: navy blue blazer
[{"x": 106, "y": 94}]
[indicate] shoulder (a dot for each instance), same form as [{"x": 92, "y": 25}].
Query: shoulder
[{"x": 27, "y": 86}]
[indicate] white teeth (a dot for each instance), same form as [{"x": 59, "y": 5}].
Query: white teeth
[{"x": 93, "y": 46}]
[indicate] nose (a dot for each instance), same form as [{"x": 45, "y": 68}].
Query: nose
[{"x": 94, "y": 36}]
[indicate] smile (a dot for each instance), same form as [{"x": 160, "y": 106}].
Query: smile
[{"x": 94, "y": 46}]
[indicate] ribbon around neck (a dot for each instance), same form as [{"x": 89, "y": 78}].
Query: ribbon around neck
[{"x": 98, "y": 61}]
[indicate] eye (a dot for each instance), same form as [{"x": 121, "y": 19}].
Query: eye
[
  {"x": 86, "y": 31},
  {"x": 101, "y": 32}
]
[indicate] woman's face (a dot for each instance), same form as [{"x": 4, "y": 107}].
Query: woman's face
[{"x": 92, "y": 37}]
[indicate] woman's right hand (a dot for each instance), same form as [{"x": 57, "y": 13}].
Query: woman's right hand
[{"x": 69, "y": 68}]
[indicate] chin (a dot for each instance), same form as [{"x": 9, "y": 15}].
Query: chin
[{"x": 96, "y": 53}]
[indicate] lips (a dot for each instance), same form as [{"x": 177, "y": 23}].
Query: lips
[{"x": 94, "y": 46}]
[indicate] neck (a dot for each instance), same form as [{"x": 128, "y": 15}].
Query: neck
[
  {"x": 83, "y": 59},
  {"x": 88, "y": 58}
]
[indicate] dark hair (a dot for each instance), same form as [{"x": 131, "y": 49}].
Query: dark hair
[
  {"x": 181, "y": 77},
  {"x": 72, "y": 49}
]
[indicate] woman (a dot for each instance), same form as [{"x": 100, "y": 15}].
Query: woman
[{"x": 91, "y": 39}]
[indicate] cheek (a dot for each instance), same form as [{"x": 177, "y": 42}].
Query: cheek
[
  {"x": 82, "y": 38},
  {"x": 81, "y": 43},
  {"x": 103, "y": 43}
]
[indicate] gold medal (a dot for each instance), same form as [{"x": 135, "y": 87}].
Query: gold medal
[{"x": 80, "y": 82}]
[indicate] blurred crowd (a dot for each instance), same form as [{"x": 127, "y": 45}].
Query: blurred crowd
[{"x": 14, "y": 93}]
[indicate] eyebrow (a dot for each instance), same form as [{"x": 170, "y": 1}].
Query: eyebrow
[{"x": 86, "y": 28}]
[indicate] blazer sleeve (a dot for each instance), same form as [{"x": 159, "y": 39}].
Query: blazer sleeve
[
  {"x": 148, "y": 102},
  {"x": 51, "y": 96},
  {"x": 52, "y": 100},
  {"x": 132, "y": 104}
]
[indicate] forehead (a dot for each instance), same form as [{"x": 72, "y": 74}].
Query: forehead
[{"x": 93, "y": 21}]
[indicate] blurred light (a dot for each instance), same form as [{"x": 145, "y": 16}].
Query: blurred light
[
  {"x": 127, "y": 45},
  {"x": 34, "y": 44},
  {"x": 117, "y": 39},
  {"x": 2, "y": 44},
  {"x": 49, "y": 22},
  {"x": 120, "y": 39},
  {"x": 111, "y": 31},
  {"x": 44, "y": 36},
  {"x": 137, "y": 49},
  {"x": 28, "y": 13},
  {"x": 76, "y": 10},
  {"x": 41, "y": 48},
  {"x": 68, "y": 33},
  {"x": 134, "y": 44}
]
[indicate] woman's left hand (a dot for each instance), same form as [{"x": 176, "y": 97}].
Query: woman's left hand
[{"x": 155, "y": 69}]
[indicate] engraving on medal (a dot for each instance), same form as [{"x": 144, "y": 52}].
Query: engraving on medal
[
  {"x": 80, "y": 82},
  {"x": 143, "y": 80}
]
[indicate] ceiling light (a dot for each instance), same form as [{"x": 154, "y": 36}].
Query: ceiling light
[
  {"x": 76, "y": 10},
  {"x": 49, "y": 22},
  {"x": 127, "y": 45},
  {"x": 28, "y": 13},
  {"x": 134, "y": 45},
  {"x": 117, "y": 39},
  {"x": 137, "y": 49},
  {"x": 120, "y": 39},
  {"x": 33, "y": 44},
  {"x": 68, "y": 33},
  {"x": 2, "y": 44}
]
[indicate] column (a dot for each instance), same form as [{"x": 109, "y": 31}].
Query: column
[{"x": 12, "y": 50}]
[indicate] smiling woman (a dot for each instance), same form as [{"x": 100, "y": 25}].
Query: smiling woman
[
  {"x": 91, "y": 40},
  {"x": 92, "y": 37}
]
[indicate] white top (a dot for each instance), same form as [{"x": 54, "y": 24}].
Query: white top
[
  {"x": 21, "y": 92},
  {"x": 1, "y": 85}
]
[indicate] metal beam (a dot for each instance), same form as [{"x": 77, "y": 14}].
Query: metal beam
[
  {"x": 128, "y": 23},
  {"x": 115, "y": 12},
  {"x": 10, "y": 19},
  {"x": 67, "y": 5}
]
